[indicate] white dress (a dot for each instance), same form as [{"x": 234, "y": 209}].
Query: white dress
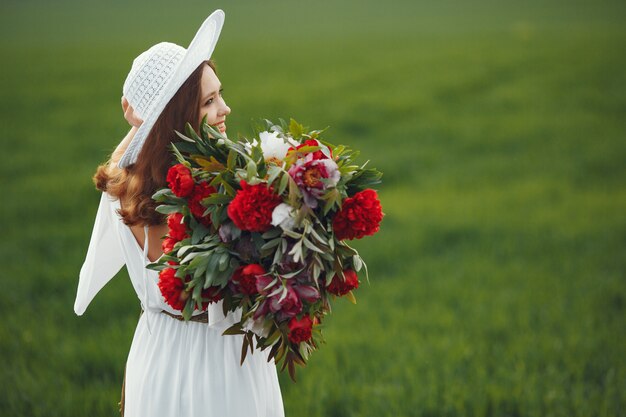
[{"x": 175, "y": 368}]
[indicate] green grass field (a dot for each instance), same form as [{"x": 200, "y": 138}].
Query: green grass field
[{"x": 498, "y": 279}]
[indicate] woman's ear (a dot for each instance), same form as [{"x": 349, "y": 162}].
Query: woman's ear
[{"x": 124, "y": 104}]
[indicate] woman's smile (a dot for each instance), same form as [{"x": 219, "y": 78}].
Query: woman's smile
[{"x": 221, "y": 126}]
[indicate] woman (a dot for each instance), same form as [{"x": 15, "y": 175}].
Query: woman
[{"x": 174, "y": 368}]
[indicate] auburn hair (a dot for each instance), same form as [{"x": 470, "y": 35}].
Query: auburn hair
[{"x": 136, "y": 183}]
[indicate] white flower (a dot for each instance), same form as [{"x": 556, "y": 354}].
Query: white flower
[
  {"x": 256, "y": 327},
  {"x": 273, "y": 146},
  {"x": 283, "y": 216}
]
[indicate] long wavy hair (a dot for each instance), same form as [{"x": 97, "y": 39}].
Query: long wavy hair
[{"x": 136, "y": 183}]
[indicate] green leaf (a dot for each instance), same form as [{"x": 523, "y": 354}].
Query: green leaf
[
  {"x": 183, "y": 137},
  {"x": 317, "y": 236},
  {"x": 272, "y": 233},
  {"x": 179, "y": 156},
  {"x": 256, "y": 154},
  {"x": 228, "y": 188},
  {"x": 273, "y": 337},
  {"x": 251, "y": 169},
  {"x": 197, "y": 292},
  {"x": 224, "y": 262},
  {"x": 296, "y": 129},
  {"x": 190, "y": 131},
  {"x": 351, "y": 297},
  {"x": 273, "y": 172},
  {"x": 166, "y": 209},
  {"x": 311, "y": 246},
  {"x": 296, "y": 251},
  {"x": 199, "y": 233},
  {"x": 292, "y": 274},
  {"x": 163, "y": 192},
  {"x": 283, "y": 184},
  {"x": 232, "y": 159},
  {"x": 217, "y": 198},
  {"x": 188, "y": 310},
  {"x": 292, "y": 234},
  {"x": 244, "y": 350},
  {"x": 294, "y": 191},
  {"x": 357, "y": 263},
  {"x": 209, "y": 277},
  {"x": 233, "y": 330},
  {"x": 193, "y": 256},
  {"x": 272, "y": 243}
]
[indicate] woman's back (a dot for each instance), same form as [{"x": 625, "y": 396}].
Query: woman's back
[{"x": 155, "y": 236}]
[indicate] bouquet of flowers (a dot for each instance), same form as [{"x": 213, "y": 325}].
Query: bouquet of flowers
[{"x": 263, "y": 225}]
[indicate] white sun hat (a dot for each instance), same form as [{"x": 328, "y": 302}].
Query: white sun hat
[{"x": 157, "y": 74}]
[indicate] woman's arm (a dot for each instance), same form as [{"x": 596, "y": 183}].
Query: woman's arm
[
  {"x": 135, "y": 122},
  {"x": 119, "y": 151}
]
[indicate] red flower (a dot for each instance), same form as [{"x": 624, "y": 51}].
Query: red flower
[
  {"x": 288, "y": 306},
  {"x": 180, "y": 180},
  {"x": 168, "y": 244},
  {"x": 316, "y": 154},
  {"x": 252, "y": 207},
  {"x": 359, "y": 216},
  {"x": 200, "y": 191},
  {"x": 177, "y": 227},
  {"x": 246, "y": 278},
  {"x": 300, "y": 330},
  {"x": 340, "y": 287},
  {"x": 173, "y": 289},
  {"x": 212, "y": 295}
]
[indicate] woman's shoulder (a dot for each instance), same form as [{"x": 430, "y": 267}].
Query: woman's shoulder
[{"x": 155, "y": 235}]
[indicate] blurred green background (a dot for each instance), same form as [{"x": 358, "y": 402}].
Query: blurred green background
[{"x": 498, "y": 282}]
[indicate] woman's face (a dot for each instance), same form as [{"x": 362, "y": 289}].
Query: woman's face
[{"x": 212, "y": 103}]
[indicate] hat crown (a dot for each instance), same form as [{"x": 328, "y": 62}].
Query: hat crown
[{"x": 150, "y": 73}]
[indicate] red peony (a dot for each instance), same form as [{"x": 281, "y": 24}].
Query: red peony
[
  {"x": 200, "y": 191},
  {"x": 168, "y": 244},
  {"x": 211, "y": 295},
  {"x": 180, "y": 180},
  {"x": 340, "y": 287},
  {"x": 316, "y": 154},
  {"x": 252, "y": 207},
  {"x": 245, "y": 277},
  {"x": 300, "y": 330},
  {"x": 359, "y": 216},
  {"x": 177, "y": 227},
  {"x": 173, "y": 289}
]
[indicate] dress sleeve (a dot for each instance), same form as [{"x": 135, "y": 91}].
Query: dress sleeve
[{"x": 104, "y": 256}]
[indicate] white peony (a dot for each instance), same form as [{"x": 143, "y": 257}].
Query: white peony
[
  {"x": 273, "y": 146},
  {"x": 283, "y": 216}
]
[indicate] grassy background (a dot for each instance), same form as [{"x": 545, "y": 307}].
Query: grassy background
[{"x": 498, "y": 282}]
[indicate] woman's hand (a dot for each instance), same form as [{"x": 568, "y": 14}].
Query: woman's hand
[
  {"x": 135, "y": 122},
  {"x": 129, "y": 113}
]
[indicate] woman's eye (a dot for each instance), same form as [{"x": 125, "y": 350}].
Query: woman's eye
[{"x": 210, "y": 101}]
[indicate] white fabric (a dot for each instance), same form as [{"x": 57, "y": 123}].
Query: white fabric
[
  {"x": 97, "y": 269},
  {"x": 175, "y": 368}
]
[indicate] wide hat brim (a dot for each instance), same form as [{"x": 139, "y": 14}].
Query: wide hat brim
[{"x": 200, "y": 49}]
